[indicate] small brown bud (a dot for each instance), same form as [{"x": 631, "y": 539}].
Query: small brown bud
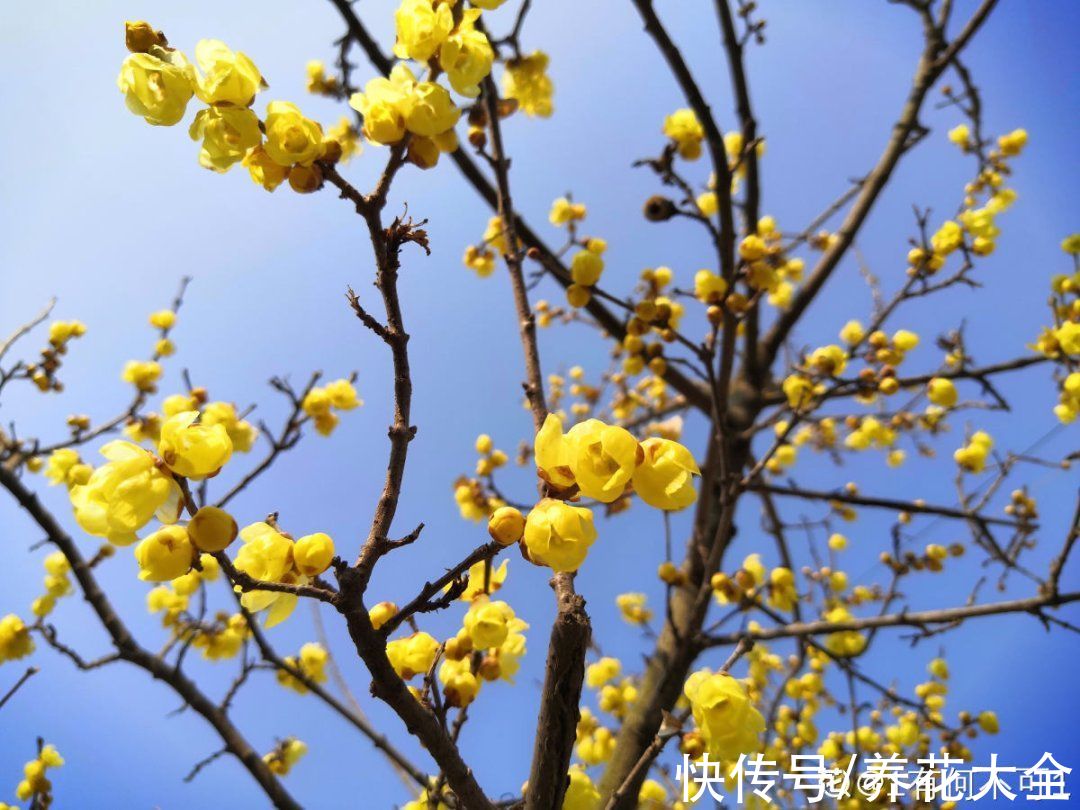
[
  {"x": 659, "y": 209},
  {"x": 331, "y": 151},
  {"x": 305, "y": 179}
]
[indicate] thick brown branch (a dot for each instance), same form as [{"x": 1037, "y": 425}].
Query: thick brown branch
[{"x": 560, "y": 699}]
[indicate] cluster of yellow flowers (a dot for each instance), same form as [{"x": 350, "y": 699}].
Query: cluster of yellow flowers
[
  {"x": 655, "y": 314},
  {"x": 399, "y": 104},
  {"x": 473, "y": 500},
  {"x": 767, "y": 267},
  {"x": 35, "y": 786},
  {"x": 320, "y": 403},
  {"x": 481, "y": 258},
  {"x": 586, "y": 267},
  {"x": 311, "y": 663},
  {"x": 599, "y": 461},
  {"x": 285, "y": 755},
  {"x": 488, "y": 646},
  {"x": 686, "y": 133},
  {"x": 1061, "y": 342},
  {"x": 318, "y": 82},
  {"x": 632, "y": 607},
  {"x": 565, "y": 212},
  {"x": 43, "y": 372},
  {"x": 972, "y": 456},
  {"x": 882, "y": 355},
  {"x": 57, "y": 582},
  {"x": 526, "y": 81},
  {"x": 271, "y": 555},
  {"x": 427, "y": 29},
  {"x": 158, "y": 81},
  {"x": 974, "y": 230}
]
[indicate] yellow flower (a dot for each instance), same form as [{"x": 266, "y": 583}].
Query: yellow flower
[
  {"x": 684, "y": 128},
  {"x": 466, "y": 55},
  {"x": 230, "y": 79},
  {"x": 1013, "y": 142},
  {"x": 193, "y": 450},
  {"x": 121, "y": 497},
  {"x": 383, "y": 105},
  {"x": 1068, "y": 337},
  {"x": 947, "y": 238},
  {"x": 412, "y": 655},
  {"x": 506, "y": 525},
  {"x": 165, "y": 555},
  {"x": 581, "y": 793},
  {"x": 559, "y": 535},
  {"x": 212, "y": 529},
  {"x": 665, "y": 477},
  {"x": 972, "y": 456},
  {"x": 586, "y": 267},
  {"x": 829, "y": 360},
  {"x": 709, "y": 287},
  {"x": 460, "y": 685},
  {"x": 264, "y": 170},
  {"x": 554, "y": 453},
  {"x": 227, "y": 134},
  {"x": 241, "y": 432},
  {"x": 487, "y": 5},
  {"x": 266, "y": 555},
  {"x": 632, "y": 607},
  {"x": 479, "y": 260},
  {"x": 960, "y": 135},
  {"x": 142, "y": 374},
  {"x": 282, "y": 759},
  {"x": 163, "y": 319},
  {"x": 941, "y": 391},
  {"x": 290, "y": 137},
  {"x": 782, "y": 592},
  {"x": 382, "y": 613},
  {"x": 511, "y": 652},
  {"x": 430, "y": 111},
  {"x": 563, "y": 211},
  {"x": 603, "y": 458},
  {"x": 988, "y": 722},
  {"x": 729, "y": 723},
  {"x": 15, "y": 640},
  {"x": 852, "y": 333},
  {"x": 526, "y": 81},
  {"x": 605, "y": 670},
  {"x": 342, "y": 395},
  {"x": 1071, "y": 244},
  {"x": 652, "y": 796},
  {"x": 157, "y": 85},
  {"x": 60, "y": 466},
  {"x": 347, "y": 137},
  {"x": 843, "y": 643},
  {"x": 475, "y": 587},
  {"x": 311, "y": 663},
  {"x": 60, "y": 332},
  {"x": 708, "y": 204},
  {"x": 312, "y": 554},
  {"x": 422, "y": 26},
  {"x": 488, "y": 623}
]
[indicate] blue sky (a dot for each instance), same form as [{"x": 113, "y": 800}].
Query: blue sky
[{"x": 108, "y": 213}]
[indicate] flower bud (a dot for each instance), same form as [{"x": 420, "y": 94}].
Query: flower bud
[
  {"x": 212, "y": 529},
  {"x": 506, "y": 525}
]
